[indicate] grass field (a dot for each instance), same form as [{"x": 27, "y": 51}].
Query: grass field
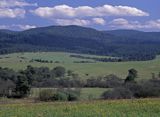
[
  {"x": 145, "y": 68},
  {"x": 112, "y": 108}
]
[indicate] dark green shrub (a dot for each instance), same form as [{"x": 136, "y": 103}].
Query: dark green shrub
[
  {"x": 6, "y": 88},
  {"x": 61, "y": 96},
  {"x": 133, "y": 87},
  {"x": 46, "y": 95},
  {"x": 59, "y": 71},
  {"x": 72, "y": 96},
  {"x": 118, "y": 93},
  {"x": 149, "y": 88},
  {"x": 113, "y": 81},
  {"x": 132, "y": 75},
  {"x": 144, "y": 89},
  {"x": 110, "y": 81},
  {"x": 22, "y": 86},
  {"x": 67, "y": 94}
]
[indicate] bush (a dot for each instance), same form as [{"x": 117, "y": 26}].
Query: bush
[
  {"x": 73, "y": 95},
  {"x": 133, "y": 87},
  {"x": 149, "y": 88},
  {"x": 59, "y": 71},
  {"x": 117, "y": 93},
  {"x": 59, "y": 95},
  {"x": 143, "y": 89},
  {"x": 6, "y": 88},
  {"x": 113, "y": 81},
  {"x": 68, "y": 94},
  {"x": 110, "y": 81},
  {"x": 46, "y": 95}
]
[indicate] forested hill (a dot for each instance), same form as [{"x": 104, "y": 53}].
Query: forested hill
[{"x": 127, "y": 44}]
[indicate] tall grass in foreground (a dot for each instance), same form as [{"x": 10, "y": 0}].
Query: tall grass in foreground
[{"x": 113, "y": 108}]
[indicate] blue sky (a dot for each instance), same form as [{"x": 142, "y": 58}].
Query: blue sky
[{"x": 100, "y": 14}]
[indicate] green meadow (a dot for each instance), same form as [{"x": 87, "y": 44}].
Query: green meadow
[
  {"x": 19, "y": 61},
  {"x": 110, "y": 108}
]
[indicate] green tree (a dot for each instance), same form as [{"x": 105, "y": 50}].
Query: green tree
[
  {"x": 159, "y": 75},
  {"x": 59, "y": 71},
  {"x": 22, "y": 86},
  {"x": 132, "y": 74},
  {"x": 153, "y": 76},
  {"x": 29, "y": 72},
  {"x": 69, "y": 72}
]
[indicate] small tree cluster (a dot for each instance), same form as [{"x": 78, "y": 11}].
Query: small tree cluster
[
  {"x": 59, "y": 95},
  {"x": 132, "y": 89}
]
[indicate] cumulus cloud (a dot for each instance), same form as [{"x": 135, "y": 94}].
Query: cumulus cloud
[
  {"x": 13, "y": 8},
  {"x": 65, "y": 11},
  {"x": 99, "y": 21},
  {"x": 79, "y": 22},
  {"x": 119, "y": 21},
  {"x": 15, "y": 3},
  {"x": 17, "y": 26},
  {"x": 123, "y": 23},
  {"x": 85, "y": 15},
  {"x": 24, "y": 27},
  {"x": 12, "y": 13},
  {"x": 153, "y": 24}
]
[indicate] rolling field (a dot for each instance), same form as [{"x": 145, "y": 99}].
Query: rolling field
[
  {"x": 19, "y": 61},
  {"x": 112, "y": 108}
]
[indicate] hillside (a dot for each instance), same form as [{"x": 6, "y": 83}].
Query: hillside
[
  {"x": 127, "y": 44},
  {"x": 79, "y": 65}
]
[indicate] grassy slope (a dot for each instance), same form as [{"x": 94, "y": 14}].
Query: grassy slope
[
  {"x": 145, "y": 68},
  {"x": 112, "y": 108}
]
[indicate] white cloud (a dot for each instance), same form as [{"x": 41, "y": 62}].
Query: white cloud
[
  {"x": 153, "y": 24},
  {"x": 4, "y": 27},
  {"x": 13, "y": 8},
  {"x": 65, "y": 11},
  {"x": 123, "y": 23},
  {"x": 100, "y": 21},
  {"x": 79, "y": 22},
  {"x": 17, "y": 26},
  {"x": 67, "y": 15},
  {"x": 24, "y": 27},
  {"x": 12, "y": 13},
  {"x": 119, "y": 21},
  {"x": 15, "y": 3}
]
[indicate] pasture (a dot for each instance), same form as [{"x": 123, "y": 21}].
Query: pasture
[
  {"x": 19, "y": 61},
  {"x": 110, "y": 108}
]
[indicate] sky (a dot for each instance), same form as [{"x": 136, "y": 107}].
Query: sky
[{"x": 141, "y": 15}]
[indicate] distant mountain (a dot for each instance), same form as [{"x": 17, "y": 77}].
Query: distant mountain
[
  {"x": 134, "y": 34},
  {"x": 128, "y": 44},
  {"x": 123, "y": 32}
]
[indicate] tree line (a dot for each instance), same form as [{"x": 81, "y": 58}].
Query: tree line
[{"x": 18, "y": 84}]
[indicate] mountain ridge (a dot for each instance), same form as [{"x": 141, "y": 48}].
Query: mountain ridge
[{"x": 128, "y": 44}]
